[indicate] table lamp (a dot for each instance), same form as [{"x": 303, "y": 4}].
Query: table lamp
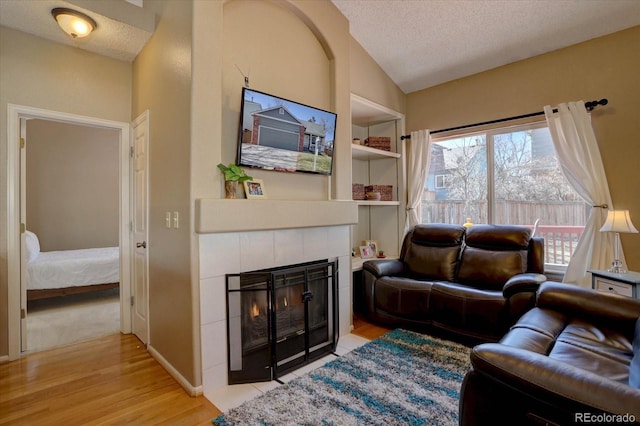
[{"x": 618, "y": 221}]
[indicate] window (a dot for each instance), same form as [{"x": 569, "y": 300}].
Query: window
[
  {"x": 441, "y": 181},
  {"x": 505, "y": 176}
]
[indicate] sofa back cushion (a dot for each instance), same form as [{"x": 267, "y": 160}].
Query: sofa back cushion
[
  {"x": 493, "y": 254},
  {"x": 634, "y": 368},
  {"x": 431, "y": 251}
]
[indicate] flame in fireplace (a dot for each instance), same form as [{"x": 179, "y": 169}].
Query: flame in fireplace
[{"x": 255, "y": 310}]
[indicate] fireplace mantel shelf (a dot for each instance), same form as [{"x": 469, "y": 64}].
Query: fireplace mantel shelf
[{"x": 215, "y": 215}]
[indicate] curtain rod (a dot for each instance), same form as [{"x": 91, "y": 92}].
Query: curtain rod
[{"x": 588, "y": 105}]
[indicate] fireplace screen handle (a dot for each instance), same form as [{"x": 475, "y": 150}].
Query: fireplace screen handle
[{"x": 307, "y": 296}]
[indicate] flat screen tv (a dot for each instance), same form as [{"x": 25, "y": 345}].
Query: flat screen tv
[{"x": 283, "y": 135}]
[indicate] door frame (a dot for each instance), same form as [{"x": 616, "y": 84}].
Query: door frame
[{"x": 14, "y": 114}]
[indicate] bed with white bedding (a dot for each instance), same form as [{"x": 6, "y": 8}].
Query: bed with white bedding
[{"x": 59, "y": 273}]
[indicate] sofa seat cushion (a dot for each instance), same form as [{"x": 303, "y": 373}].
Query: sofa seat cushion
[
  {"x": 468, "y": 310},
  {"x": 403, "y": 296},
  {"x": 574, "y": 341},
  {"x": 601, "y": 351}
]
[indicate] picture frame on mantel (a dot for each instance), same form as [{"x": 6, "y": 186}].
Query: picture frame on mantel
[{"x": 254, "y": 189}]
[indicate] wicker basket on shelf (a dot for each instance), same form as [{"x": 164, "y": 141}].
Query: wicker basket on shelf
[
  {"x": 357, "y": 191},
  {"x": 379, "y": 142}
]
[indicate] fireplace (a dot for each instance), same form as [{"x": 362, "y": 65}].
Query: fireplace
[{"x": 280, "y": 319}]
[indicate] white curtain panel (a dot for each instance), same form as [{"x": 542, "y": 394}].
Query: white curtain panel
[
  {"x": 579, "y": 158},
  {"x": 417, "y": 167}
]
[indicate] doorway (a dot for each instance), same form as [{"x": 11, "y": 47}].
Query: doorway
[
  {"x": 72, "y": 209},
  {"x": 16, "y": 236}
]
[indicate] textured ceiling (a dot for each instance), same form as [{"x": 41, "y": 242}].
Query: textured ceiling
[
  {"x": 117, "y": 38},
  {"x": 422, "y": 43}
]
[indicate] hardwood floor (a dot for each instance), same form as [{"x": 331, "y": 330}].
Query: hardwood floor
[
  {"x": 366, "y": 329},
  {"x": 108, "y": 381}
]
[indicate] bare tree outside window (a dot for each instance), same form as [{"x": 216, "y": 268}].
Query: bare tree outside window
[{"x": 526, "y": 181}]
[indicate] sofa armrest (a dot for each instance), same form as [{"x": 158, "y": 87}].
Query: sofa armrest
[
  {"x": 381, "y": 268},
  {"x": 527, "y": 282},
  {"x": 546, "y": 378},
  {"x": 585, "y": 302}
]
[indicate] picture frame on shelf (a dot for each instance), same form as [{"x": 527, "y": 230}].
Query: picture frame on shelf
[
  {"x": 254, "y": 189},
  {"x": 366, "y": 252},
  {"x": 373, "y": 244}
]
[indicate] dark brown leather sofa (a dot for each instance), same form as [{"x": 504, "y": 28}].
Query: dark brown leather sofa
[
  {"x": 572, "y": 359},
  {"x": 473, "y": 282}
]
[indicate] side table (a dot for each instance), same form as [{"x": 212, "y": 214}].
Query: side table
[{"x": 611, "y": 282}]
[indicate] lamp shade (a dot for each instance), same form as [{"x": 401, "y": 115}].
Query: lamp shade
[
  {"x": 618, "y": 221},
  {"x": 74, "y": 23}
]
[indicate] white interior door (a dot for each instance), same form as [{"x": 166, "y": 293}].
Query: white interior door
[{"x": 140, "y": 227}]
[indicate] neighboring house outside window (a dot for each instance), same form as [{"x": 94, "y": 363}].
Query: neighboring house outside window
[{"x": 505, "y": 176}]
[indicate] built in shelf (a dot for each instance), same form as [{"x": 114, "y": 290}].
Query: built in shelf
[
  {"x": 357, "y": 261},
  {"x": 361, "y": 152},
  {"x": 377, "y": 203},
  {"x": 366, "y": 113}
]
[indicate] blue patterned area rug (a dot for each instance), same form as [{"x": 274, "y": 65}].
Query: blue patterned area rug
[{"x": 401, "y": 378}]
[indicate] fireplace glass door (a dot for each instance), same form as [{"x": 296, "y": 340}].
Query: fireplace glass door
[{"x": 280, "y": 319}]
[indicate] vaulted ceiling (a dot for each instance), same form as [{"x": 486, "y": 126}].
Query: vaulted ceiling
[{"x": 422, "y": 43}]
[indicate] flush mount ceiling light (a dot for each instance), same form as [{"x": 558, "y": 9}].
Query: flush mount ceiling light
[{"x": 74, "y": 23}]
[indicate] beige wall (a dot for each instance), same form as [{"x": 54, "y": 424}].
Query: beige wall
[
  {"x": 606, "y": 67},
  {"x": 73, "y": 177},
  {"x": 162, "y": 84},
  {"x": 38, "y": 73}
]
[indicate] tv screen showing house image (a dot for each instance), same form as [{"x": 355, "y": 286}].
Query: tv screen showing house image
[{"x": 282, "y": 135}]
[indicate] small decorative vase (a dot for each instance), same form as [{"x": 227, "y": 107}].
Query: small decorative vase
[{"x": 231, "y": 189}]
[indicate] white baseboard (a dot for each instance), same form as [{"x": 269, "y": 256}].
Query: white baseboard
[
  {"x": 4, "y": 358},
  {"x": 188, "y": 387}
]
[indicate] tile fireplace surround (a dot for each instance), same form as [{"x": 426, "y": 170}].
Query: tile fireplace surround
[{"x": 232, "y": 252}]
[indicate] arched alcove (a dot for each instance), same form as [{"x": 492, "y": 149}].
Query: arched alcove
[{"x": 286, "y": 56}]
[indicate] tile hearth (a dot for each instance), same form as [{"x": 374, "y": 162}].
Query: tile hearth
[{"x": 231, "y": 396}]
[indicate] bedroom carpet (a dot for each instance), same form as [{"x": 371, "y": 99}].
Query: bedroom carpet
[
  {"x": 402, "y": 378},
  {"x": 60, "y": 321}
]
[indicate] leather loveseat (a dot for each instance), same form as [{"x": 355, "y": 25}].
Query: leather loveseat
[
  {"x": 475, "y": 282},
  {"x": 573, "y": 359}
]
